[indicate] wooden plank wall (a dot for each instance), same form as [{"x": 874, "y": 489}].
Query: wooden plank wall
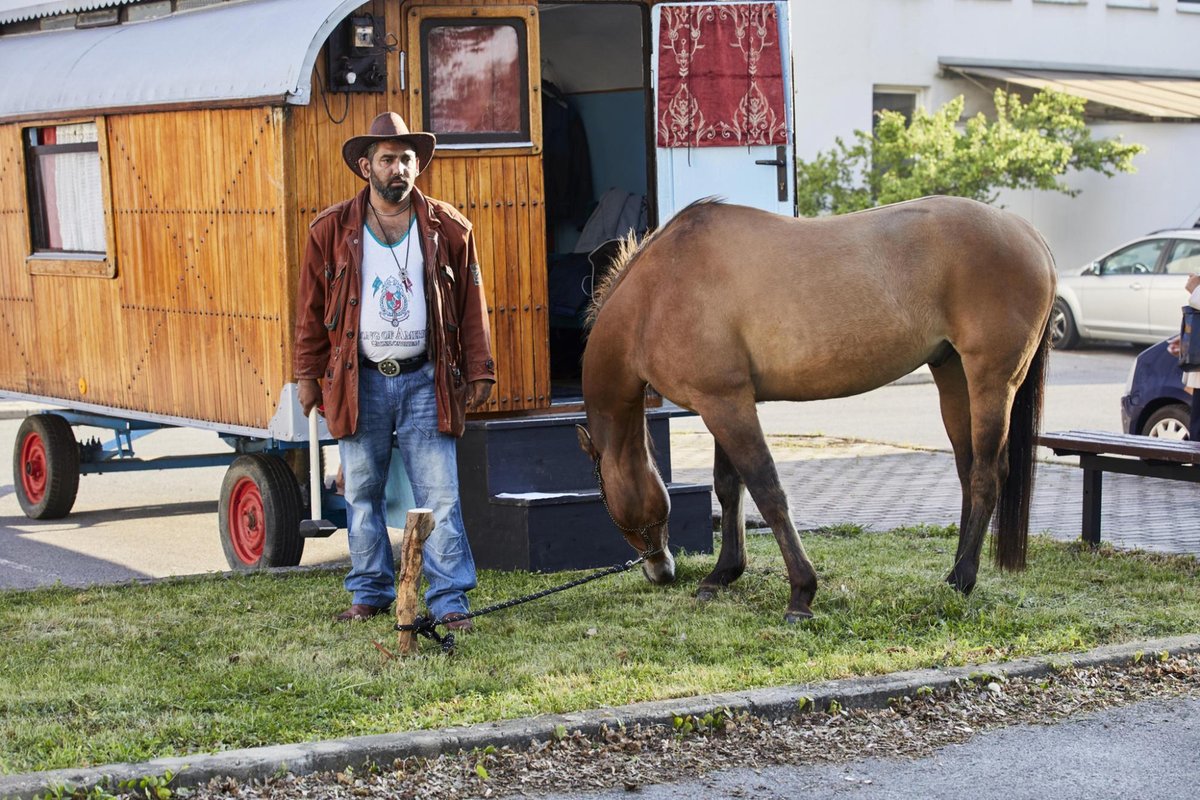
[
  {"x": 211, "y": 208},
  {"x": 193, "y": 323},
  {"x": 500, "y": 194}
]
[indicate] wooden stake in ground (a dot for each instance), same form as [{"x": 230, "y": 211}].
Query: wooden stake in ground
[{"x": 417, "y": 528}]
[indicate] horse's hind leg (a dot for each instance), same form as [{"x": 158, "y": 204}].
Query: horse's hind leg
[
  {"x": 955, "y": 405},
  {"x": 731, "y": 563},
  {"x": 733, "y": 422},
  {"x": 991, "y": 402}
]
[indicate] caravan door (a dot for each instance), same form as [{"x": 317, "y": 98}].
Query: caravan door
[{"x": 723, "y": 105}]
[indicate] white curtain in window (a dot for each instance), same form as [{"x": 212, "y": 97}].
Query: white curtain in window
[{"x": 80, "y": 200}]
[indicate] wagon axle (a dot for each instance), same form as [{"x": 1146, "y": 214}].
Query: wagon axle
[{"x": 261, "y": 513}]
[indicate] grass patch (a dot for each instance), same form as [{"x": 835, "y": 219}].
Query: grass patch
[{"x": 135, "y": 672}]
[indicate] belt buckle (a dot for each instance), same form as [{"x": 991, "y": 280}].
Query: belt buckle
[{"x": 389, "y": 367}]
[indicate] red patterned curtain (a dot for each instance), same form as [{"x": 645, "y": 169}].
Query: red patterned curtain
[{"x": 720, "y": 76}]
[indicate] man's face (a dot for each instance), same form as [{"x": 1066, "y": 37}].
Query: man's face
[{"x": 391, "y": 170}]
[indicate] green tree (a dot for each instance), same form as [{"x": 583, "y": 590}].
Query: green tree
[{"x": 1026, "y": 146}]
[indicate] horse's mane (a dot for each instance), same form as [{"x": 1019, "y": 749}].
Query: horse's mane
[{"x": 627, "y": 251}]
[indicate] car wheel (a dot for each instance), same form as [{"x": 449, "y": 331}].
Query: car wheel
[
  {"x": 1168, "y": 422},
  {"x": 1063, "y": 333}
]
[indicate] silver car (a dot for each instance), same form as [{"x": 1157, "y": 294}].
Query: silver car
[{"x": 1133, "y": 294}]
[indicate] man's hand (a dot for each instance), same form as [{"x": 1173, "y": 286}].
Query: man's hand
[
  {"x": 1173, "y": 345},
  {"x": 310, "y": 394},
  {"x": 478, "y": 393},
  {"x": 1192, "y": 282}
]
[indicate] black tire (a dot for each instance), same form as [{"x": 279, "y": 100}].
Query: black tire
[
  {"x": 46, "y": 467},
  {"x": 259, "y": 514},
  {"x": 1064, "y": 335},
  {"x": 1168, "y": 422},
  {"x": 297, "y": 459}
]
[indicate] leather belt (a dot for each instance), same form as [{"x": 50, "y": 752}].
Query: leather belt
[{"x": 395, "y": 366}]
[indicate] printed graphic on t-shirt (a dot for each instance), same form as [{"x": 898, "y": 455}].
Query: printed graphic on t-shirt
[{"x": 394, "y": 301}]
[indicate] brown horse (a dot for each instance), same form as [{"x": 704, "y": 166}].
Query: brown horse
[{"x": 726, "y": 306}]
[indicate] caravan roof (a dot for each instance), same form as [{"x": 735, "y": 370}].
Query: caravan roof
[{"x": 214, "y": 55}]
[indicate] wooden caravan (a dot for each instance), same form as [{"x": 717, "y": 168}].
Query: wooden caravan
[{"x": 160, "y": 161}]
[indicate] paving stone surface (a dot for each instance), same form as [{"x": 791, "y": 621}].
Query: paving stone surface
[{"x": 881, "y": 486}]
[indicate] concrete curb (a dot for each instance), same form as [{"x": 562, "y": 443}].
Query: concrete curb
[{"x": 258, "y": 763}]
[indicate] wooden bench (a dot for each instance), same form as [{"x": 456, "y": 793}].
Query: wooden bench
[{"x": 1101, "y": 452}]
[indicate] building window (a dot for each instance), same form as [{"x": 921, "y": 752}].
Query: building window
[
  {"x": 66, "y": 199},
  {"x": 902, "y": 101},
  {"x": 475, "y": 80},
  {"x": 67, "y": 194}
]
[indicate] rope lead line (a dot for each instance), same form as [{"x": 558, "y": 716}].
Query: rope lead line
[
  {"x": 427, "y": 627},
  {"x": 423, "y": 624}
]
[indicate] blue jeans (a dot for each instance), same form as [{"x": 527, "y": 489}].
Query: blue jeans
[{"x": 403, "y": 408}]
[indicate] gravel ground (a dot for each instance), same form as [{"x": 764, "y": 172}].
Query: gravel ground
[{"x": 912, "y": 727}]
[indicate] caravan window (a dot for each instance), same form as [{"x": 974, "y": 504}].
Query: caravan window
[
  {"x": 66, "y": 197},
  {"x": 475, "y": 79},
  {"x": 68, "y": 200}
]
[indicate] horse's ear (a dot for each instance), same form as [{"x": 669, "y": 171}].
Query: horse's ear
[{"x": 585, "y": 442}]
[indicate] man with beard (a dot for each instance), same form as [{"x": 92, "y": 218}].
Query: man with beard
[{"x": 392, "y": 344}]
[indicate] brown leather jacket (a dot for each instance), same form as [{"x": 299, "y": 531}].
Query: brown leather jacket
[{"x": 327, "y": 312}]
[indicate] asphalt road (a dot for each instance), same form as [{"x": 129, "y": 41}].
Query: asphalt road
[
  {"x": 1149, "y": 749},
  {"x": 154, "y": 524}
]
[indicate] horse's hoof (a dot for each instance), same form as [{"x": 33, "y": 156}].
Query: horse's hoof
[
  {"x": 792, "y": 617},
  {"x": 704, "y": 594},
  {"x": 960, "y": 585}
]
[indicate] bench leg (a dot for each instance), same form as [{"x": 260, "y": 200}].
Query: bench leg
[{"x": 1093, "y": 491}]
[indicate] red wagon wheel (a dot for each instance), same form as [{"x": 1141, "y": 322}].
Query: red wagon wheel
[
  {"x": 259, "y": 514},
  {"x": 46, "y": 467}
]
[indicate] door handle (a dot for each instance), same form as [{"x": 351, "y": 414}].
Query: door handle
[
  {"x": 1137, "y": 287},
  {"x": 779, "y": 162}
]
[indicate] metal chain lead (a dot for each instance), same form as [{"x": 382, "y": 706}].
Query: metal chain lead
[{"x": 424, "y": 626}]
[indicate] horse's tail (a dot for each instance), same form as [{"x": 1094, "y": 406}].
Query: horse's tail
[{"x": 1012, "y": 509}]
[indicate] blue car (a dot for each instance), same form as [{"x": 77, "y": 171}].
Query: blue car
[{"x": 1155, "y": 403}]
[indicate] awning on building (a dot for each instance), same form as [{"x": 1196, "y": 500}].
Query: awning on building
[
  {"x": 231, "y": 52},
  {"x": 18, "y": 10},
  {"x": 1146, "y": 94}
]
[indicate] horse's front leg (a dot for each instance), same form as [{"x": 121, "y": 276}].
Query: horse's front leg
[
  {"x": 734, "y": 424},
  {"x": 731, "y": 563}
]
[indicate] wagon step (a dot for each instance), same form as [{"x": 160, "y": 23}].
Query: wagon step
[{"x": 317, "y": 528}]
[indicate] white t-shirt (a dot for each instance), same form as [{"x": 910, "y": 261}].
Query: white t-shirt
[{"x": 393, "y": 320}]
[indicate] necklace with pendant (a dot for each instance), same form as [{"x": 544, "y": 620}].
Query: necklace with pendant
[{"x": 402, "y": 270}]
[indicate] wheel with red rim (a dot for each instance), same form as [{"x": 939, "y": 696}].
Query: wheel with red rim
[
  {"x": 46, "y": 467},
  {"x": 259, "y": 514}
]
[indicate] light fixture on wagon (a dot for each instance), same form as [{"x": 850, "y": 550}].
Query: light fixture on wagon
[{"x": 357, "y": 55}]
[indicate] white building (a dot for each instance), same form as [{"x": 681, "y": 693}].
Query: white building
[{"x": 852, "y": 56}]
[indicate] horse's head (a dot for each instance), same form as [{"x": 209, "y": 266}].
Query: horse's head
[{"x": 637, "y": 502}]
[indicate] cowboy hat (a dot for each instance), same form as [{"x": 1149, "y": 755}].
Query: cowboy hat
[{"x": 389, "y": 125}]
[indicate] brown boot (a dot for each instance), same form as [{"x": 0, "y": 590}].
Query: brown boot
[
  {"x": 359, "y": 612},
  {"x": 458, "y": 622}
]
